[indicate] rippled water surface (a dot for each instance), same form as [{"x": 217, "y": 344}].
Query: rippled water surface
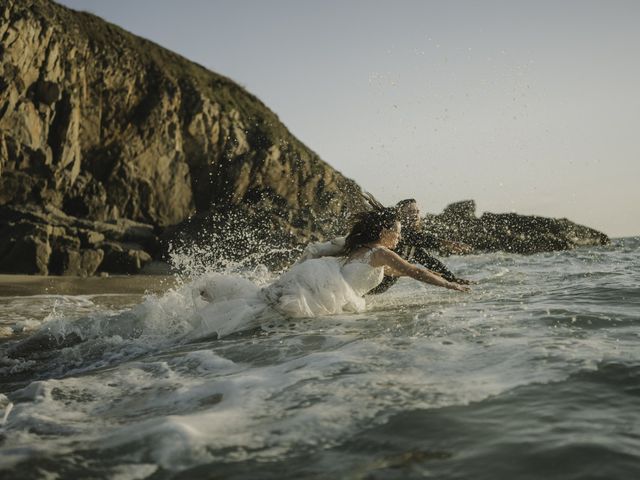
[{"x": 534, "y": 374}]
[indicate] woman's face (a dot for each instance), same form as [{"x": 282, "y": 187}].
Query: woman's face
[{"x": 389, "y": 237}]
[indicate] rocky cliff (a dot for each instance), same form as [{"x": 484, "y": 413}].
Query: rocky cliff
[{"x": 102, "y": 132}]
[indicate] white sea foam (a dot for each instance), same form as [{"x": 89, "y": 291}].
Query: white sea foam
[
  {"x": 211, "y": 305},
  {"x": 209, "y": 404}
]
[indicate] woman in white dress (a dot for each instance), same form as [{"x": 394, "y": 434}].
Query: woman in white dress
[
  {"x": 330, "y": 285},
  {"x": 316, "y": 287},
  {"x": 369, "y": 249}
]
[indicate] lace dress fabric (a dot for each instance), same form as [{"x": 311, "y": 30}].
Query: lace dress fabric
[
  {"x": 360, "y": 275},
  {"x": 324, "y": 286}
]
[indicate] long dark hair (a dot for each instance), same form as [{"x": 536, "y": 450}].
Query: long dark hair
[{"x": 368, "y": 226}]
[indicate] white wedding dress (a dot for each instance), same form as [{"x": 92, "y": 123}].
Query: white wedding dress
[{"x": 316, "y": 287}]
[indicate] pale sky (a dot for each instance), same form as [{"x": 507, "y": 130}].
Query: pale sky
[{"x": 532, "y": 107}]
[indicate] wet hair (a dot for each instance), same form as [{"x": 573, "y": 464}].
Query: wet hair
[
  {"x": 405, "y": 202},
  {"x": 368, "y": 226}
]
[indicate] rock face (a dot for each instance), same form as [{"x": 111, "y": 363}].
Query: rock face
[
  {"x": 47, "y": 241},
  {"x": 510, "y": 232},
  {"x": 100, "y": 126}
]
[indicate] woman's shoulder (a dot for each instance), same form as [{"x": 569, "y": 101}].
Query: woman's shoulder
[
  {"x": 385, "y": 257},
  {"x": 380, "y": 250},
  {"x": 363, "y": 254},
  {"x": 381, "y": 254}
]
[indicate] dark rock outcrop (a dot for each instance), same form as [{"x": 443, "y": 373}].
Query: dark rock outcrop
[
  {"x": 510, "y": 232},
  {"x": 49, "y": 241},
  {"x": 107, "y": 127}
]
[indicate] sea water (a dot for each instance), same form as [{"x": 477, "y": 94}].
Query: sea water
[{"x": 533, "y": 374}]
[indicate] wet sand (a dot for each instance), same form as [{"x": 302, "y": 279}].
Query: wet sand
[{"x": 27, "y": 285}]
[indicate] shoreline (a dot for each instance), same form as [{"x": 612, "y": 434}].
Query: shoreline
[
  {"x": 154, "y": 280},
  {"x": 137, "y": 284}
]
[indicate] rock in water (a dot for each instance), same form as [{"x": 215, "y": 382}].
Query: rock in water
[
  {"x": 510, "y": 232},
  {"x": 106, "y": 127}
]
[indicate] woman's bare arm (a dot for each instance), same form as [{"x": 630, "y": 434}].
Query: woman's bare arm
[{"x": 395, "y": 265}]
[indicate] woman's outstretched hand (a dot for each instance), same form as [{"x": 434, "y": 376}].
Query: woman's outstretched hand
[{"x": 458, "y": 287}]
